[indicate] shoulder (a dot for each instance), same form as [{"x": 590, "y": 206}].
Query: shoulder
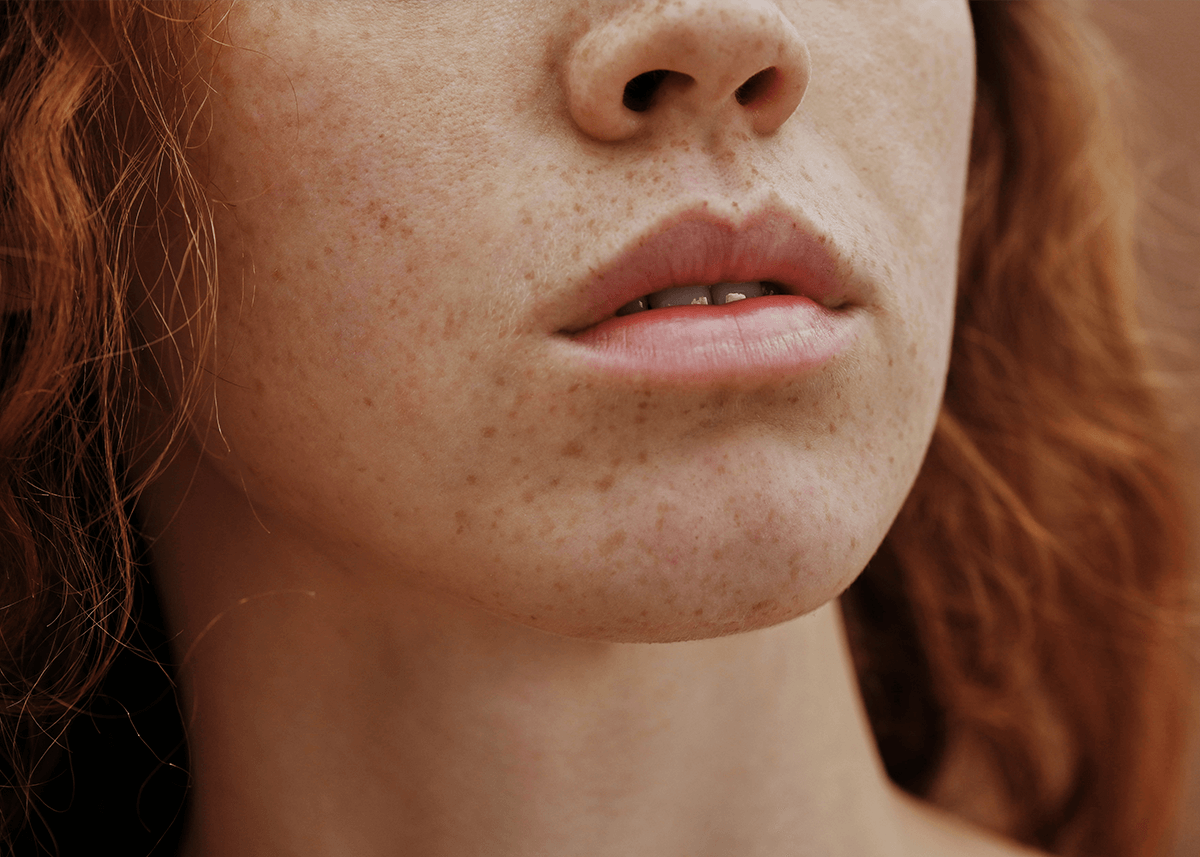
[{"x": 936, "y": 833}]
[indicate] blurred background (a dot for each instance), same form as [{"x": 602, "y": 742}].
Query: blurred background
[{"x": 1157, "y": 41}]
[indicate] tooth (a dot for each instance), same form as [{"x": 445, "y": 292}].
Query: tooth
[
  {"x": 727, "y": 293},
  {"x": 681, "y": 296},
  {"x": 634, "y": 306}
]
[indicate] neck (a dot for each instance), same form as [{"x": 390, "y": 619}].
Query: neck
[{"x": 325, "y": 720}]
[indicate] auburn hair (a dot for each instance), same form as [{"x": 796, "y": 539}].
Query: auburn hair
[
  {"x": 1014, "y": 633},
  {"x": 95, "y": 121}
]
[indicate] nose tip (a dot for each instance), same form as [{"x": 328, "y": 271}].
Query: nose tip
[{"x": 715, "y": 61}]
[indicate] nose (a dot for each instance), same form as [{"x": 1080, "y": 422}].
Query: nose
[{"x": 713, "y": 61}]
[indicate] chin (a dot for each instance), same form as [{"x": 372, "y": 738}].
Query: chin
[{"x": 664, "y": 594}]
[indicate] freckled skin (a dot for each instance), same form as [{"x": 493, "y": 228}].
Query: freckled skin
[{"x": 405, "y": 213}]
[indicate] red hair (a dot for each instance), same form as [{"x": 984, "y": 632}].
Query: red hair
[
  {"x": 93, "y": 129},
  {"x": 1012, "y": 633},
  {"x": 1041, "y": 555}
]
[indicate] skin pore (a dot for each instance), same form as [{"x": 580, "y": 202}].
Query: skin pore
[{"x": 442, "y": 586}]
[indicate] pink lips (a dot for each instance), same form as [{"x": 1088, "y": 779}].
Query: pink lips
[{"x": 760, "y": 338}]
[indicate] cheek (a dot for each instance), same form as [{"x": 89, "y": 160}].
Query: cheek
[
  {"x": 383, "y": 400},
  {"x": 618, "y": 517}
]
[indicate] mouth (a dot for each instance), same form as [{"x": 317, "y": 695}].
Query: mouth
[
  {"x": 717, "y": 295},
  {"x": 702, "y": 299},
  {"x": 697, "y": 259}
]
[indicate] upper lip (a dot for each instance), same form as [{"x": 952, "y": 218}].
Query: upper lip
[{"x": 699, "y": 248}]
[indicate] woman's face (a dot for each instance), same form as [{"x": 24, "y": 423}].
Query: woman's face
[{"x": 429, "y": 213}]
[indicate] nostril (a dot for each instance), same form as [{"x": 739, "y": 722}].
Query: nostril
[
  {"x": 639, "y": 92},
  {"x": 757, "y": 86}
]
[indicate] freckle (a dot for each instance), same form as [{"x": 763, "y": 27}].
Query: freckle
[
  {"x": 554, "y": 483},
  {"x": 384, "y": 220},
  {"x": 461, "y": 518},
  {"x": 644, "y": 405},
  {"x": 642, "y": 457},
  {"x": 573, "y": 449},
  {"x": 573, "y": 388},
  {"x": 471, "y": 480},
  {"x": 832, "y": 428},
  {"x": 890, "y": 362},
  {"x": 489, "y": 431},
  {"x": 611, "y": 543},
  {"x": 640, "y": 419},
  {"x": 604, "y": 484},
  {"x": 328, "y": 250},
  {"x": 367, "y": 401},
  {"x": 277, "y": 275},
  {"x": 516, "y": 459},
  {"x": 528, "y": 496},
  {"x": 310, "y": 264}
]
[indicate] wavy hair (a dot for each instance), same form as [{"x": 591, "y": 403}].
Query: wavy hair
[
  {"x": 1012, "y": 634},
  {"x": 1019, "y": 633},
  {"x": 94, "y": 128}
]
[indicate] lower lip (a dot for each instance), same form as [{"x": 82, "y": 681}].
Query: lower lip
[{"x": 758, "y": 338}]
